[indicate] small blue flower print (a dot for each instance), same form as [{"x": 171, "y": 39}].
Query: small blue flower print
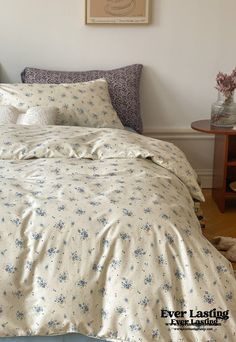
[
  {"x": 166, "y": 287},
  {"x": 94, "y": 203},
  {"x": 148, "y": 279},
  {"x": 147, "y": 227},
  {"x": 38, "y": 309},
  {"x": 16, "y": 221},
  {"x": 19, "y": 243},
  {"x": 102, "y": 291},
  {"x": 190, "y": 253},
  {"x": 19, "y": 315},
  {"x": 229, "y": 296},
  {"x": 84, "y": 308},
  {"x": 181, "y": 302},
  {"x": 105, "y": 243},
  {"x": 120, "y": 310},
  {"x": 40, "y": 212},
  {"x": 60, "y": 299},
  {"x": 52, "y": 251},
  {"x": 115, "y": 264},
  {"x": 41, "y": 282},
  {"x": 179, "y": 274},
  {"x": 139, "y": 252},
  {"x": 18, "y": 294},
  {"x": 83, "y": 234},
  {"x": 36, "y": 236},
  {"x": 53, "y": 323},
  {"x": 161, "y": 260},
  {"x": 103, "y": 221},
  {"x": 63, "y": 277},
  {"x": 113, "y": 335},
  {"x": 198, "y": 276},
  {"x": 155, "y": 334},
  {"x": 81, "y": 283},
  {"x": 75, "y": 256},
  {"x": 124, "y": 236},
  {"x": 97, "y": 268},
  {"x": 79, "y": 189},
  {"x": 221, "y": 269},
  {"x": 135, "y": 327},
  {"x": 126, "y": 284},
  {"x": 169, "y": 238},
  {"x": 206, "y": 251},
  {"x": 127, "y": 212},
  {"x": 104, "y": 314},
  {"x": 80, "y": 212},
  {"x": 29, "y": 265},
  {"x": 208, "y": 298},
  {"x": 165, "y": 217},
  {"x": 144, "y": 302},
  {"x": 10, "y": 268},
  {"x": 59, "y": 225}
]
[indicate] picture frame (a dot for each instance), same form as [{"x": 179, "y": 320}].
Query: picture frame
[{"x": 117, "y": 11}]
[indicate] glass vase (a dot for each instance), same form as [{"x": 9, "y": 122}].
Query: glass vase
[{"x": 223, "y": 111}]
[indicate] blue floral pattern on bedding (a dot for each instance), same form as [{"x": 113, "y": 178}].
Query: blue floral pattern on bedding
[{"x": 98, "y": 234}]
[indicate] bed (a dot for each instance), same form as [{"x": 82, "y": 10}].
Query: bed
[{"x": 99, "y": 240}]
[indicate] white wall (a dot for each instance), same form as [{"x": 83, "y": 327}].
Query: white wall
[{"x": 186, "y": 44}]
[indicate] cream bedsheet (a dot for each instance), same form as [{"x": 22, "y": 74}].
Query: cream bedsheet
[{"x": 98, "y": 236}]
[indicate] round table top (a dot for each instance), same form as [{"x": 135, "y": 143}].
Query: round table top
[{"x": 206, "y": 127}]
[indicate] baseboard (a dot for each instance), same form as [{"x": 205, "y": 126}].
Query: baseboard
[
  {"x": 206, "y": 177},
  {"x": 176, "y": 134}
]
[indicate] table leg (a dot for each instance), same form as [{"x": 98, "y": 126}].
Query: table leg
[{"x": 220, "y": 170}]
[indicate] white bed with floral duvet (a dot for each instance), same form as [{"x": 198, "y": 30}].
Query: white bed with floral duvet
[{"x": 98, "y": 237}]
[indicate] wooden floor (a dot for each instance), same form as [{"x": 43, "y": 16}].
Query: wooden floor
[{"x": 216, "y": 222}]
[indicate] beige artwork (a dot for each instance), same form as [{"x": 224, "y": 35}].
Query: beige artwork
[{"x": 117, "y": 11}]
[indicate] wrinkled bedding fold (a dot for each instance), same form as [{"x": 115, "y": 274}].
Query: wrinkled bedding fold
[{"x": 24, "y": 142}]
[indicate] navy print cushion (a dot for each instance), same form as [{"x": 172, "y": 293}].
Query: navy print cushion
[{"x": 123, "y": 87}]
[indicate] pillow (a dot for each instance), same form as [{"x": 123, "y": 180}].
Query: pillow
[
  {"x": 8, "y": 115},
  {"x": 123, "y": 87},
  {"x": 80, "y": 104},
  {"x": 38, "y": 116}
]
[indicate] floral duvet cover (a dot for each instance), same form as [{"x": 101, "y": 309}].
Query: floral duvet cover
[{"x": 98, "y": 235}]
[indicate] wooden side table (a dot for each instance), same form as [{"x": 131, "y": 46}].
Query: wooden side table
[{"x": 224, "y": 171}]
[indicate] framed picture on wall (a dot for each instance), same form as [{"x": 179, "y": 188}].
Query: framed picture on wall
[{"x": 117, "y": 11}]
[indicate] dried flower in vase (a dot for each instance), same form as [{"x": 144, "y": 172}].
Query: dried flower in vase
[
  {"x": 226, "y": 84},
  {"x": 223, "y": 112}
]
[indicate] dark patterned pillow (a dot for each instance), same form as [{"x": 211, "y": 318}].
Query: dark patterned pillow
[{"x": 123, "y": 87}]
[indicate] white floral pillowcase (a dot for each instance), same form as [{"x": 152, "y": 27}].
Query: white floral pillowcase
[{"x": 80, "y": 104}]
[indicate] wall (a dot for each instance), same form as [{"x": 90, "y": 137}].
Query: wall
[{"x": 186, "y": 44}]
